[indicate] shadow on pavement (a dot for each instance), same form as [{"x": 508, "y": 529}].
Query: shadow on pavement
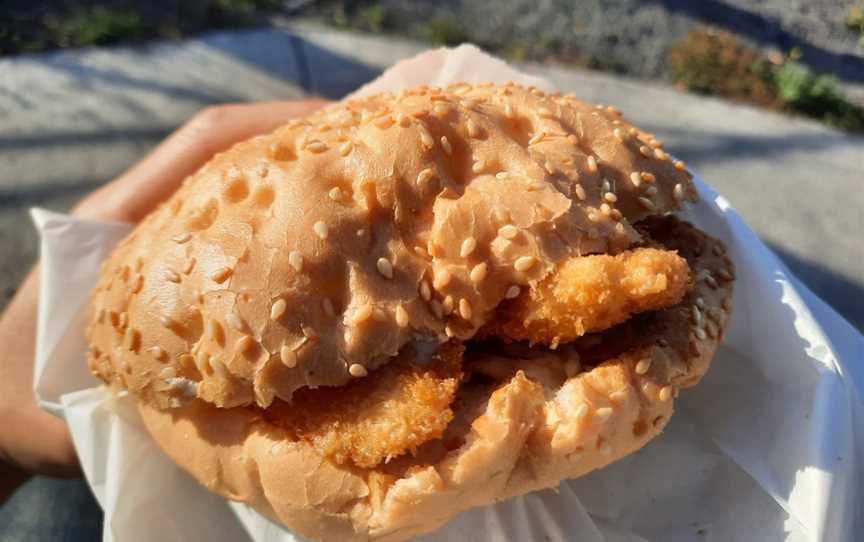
[
  {"x": 767, "y": 31},
  {"x": 844, "y": 295}
]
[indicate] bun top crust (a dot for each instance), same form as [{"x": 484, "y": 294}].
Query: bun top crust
[{"x": 312, "y": 255}]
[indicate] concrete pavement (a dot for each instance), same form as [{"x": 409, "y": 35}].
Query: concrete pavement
[{"x": 72, "y": 120}]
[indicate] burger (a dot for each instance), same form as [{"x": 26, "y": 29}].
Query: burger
[{"x": 405, "y": 306}]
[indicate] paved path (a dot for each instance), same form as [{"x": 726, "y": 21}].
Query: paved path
[{"x": 70, "y": 121}]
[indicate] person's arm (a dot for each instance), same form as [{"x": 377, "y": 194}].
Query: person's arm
[{"x": 31, "y": 440}]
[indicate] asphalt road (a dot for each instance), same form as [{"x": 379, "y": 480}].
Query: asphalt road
[{"x": 72, "y": 120}]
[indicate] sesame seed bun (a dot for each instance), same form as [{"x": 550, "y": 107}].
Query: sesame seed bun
[
  {"x": 317, "y": 254},
  {"x": 312, "y": 255}
]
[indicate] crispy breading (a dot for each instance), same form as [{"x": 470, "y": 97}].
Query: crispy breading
[
  {"x": 384, "y": 415},
  {"x": 592, "y": 293}
]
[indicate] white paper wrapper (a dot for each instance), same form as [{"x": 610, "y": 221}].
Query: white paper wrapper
[{"x": 768, "y": 447}]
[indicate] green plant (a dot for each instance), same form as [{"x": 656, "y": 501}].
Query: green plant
[
  {"x": 816, "y": 96},
  {"x": 95, "y": 26},
  {"x": 716, "y": 62},
  {"x": 445, "y": 31},
  {"x": 855, "y": 22},
  {"x": 374, "y": 17}
]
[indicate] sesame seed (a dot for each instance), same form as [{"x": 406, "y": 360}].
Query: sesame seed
[
  {"x": 295, "y": 259},
  {"x": 442, "y": 279},
  {"x": 137, "y": 284},
  {"x": 357, "y": 371},
  {"x": 573, "y": 139},
  {"x": 700, "y": 333},
  {"x": 648, "y": 177},
  {"x": 508, "y": 111},
  {"x": 346, "y": 148},
  {"x": 171, "y": 275},
  {"x": 448, "y": 305},
  {"x": 636, "y": 179},
  {"x": 711, "y": 281},
  {"x": 157, "y": 352},
  {"x": 602, "y": 414},
  {"x": 725, "y": 274},
  {"x": 524, "y": 263},
  {"x": 335, "y": 193},
  {"x": 403, "y": 120},
  {"x": 445, "y": 144},
  {"x": 592, "y": 164},
  {"x": 697, "y": 315},
  {"x": 645, "y": 151},
  {"x": 309, "y": 332},
  {"x": 726, "y": 304},
  {"x": 580, "y": 192},
  {"x": 426, "y": 139},
  {"x": 660, "y": 154},
  {"x": 123, "y": 319},
  {"x": 512, "y": 292},
  {"x": 181, "y": 238},
  {"x": 605, "y": 210},
  {"x": 501, "y": 175},
  {"x": 619, "y": 134},
  {"x": 679, "y": 165},
  {"x": 536, "y": 138},
  {"x": 478, "y": 273},
  {"x": 508, "y": 231},
  {"x": 711, "y": 329},
  {"x": 647, "y": 203},
  {"x": 288, "y": 356},
  {"x": 187, "y": 267},
  {"x": 718, "y": 249},
  {"x": 665, "y": 393},
  {"x": 402, "y": 318},
  {"x": 468, "y": 246},
  {"x": 234, "y": 321},
  {"x": 448, "y": 330},
  {"x": 278, "y": 308},
  {"x": 385, "y": 267},
  {"x": 425, "y": 176},
  {"x": 163, "y": 320},
  {"x": 316, "y": 147},
  {"x": 425, "y": 291},
  {"x": 533, "y": 186},
  {"x": 327, "y": 307},
  {"x": 133, "y": 339},
  {"x": 678, "y": 192},
  {"x": 550, "y": 169},
  {"x": 384, "y": 122},
  {"x": 473, "y": 129},
  {"x": 243, "y": 344},
  {"x": 321, "y": 229},
  {"x": 436, "y": 308},
  {"x": 643, "y": 366},
  {"x": 221, "y": 274},
  {"x": 465, "y": 310},
  {"x": 363, "y": 313},
  {"x": 580, "y": 411}
]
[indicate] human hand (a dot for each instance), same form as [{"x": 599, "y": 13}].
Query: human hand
[{"x": 31, "y": 440}]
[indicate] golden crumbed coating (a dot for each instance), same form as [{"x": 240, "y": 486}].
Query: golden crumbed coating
[
  {"x": 339, "y": 238},
  {"x": 592, "y": 293},
  {"x": 384, "y": 415}
]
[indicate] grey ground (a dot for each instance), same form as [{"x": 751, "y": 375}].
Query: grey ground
[
  {"x": 632, "y": 36},
  {"x": 72, "y": 120}
]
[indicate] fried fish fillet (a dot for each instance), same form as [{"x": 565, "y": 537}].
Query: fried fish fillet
[
  {"x": 370, "y": 420},
  {"x": 592, "y": 293}
]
